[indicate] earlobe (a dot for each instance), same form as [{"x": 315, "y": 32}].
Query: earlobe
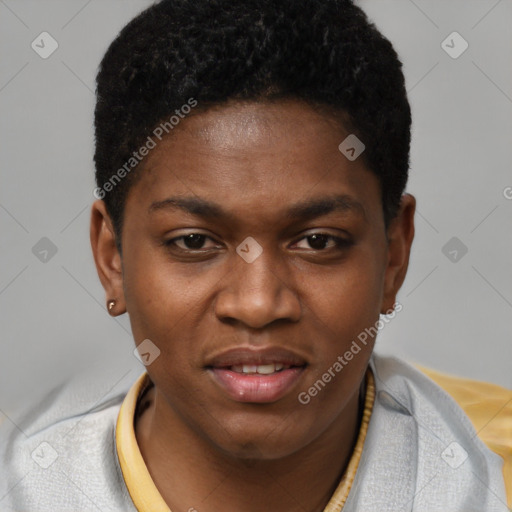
[
  {"x": 107, "y": 258},
  {"x": 400, "y": 236}
]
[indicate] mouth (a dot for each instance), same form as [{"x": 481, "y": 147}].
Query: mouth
[
  {"x": 259, "y": 369},
  {"x": 262, "y": 376}
]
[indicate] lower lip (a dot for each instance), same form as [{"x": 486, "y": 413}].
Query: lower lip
[{"x": 256, "y": 388}]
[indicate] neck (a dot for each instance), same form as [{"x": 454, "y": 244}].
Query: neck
[{"x": 208, "y": 479}]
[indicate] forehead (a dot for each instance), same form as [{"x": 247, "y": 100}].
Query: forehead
[
  {"x": 255, "y": 154},
  {"x": 258, "y": 123}
]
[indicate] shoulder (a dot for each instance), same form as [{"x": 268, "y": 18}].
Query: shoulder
[
  {"x": 484, "y": 408},
  {"x": 489, "y": 408},
  {"x": 433, "y": 438},
  {"x": 61, "y": 454},
  {"x": 482, "y": 402}
]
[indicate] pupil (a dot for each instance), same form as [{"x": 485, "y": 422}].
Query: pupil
[
  {"x": 194, "y": 241},
  {"x": 317, "y": 241}
]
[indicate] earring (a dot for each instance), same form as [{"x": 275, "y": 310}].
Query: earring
[{"x": 110, "y": 305}]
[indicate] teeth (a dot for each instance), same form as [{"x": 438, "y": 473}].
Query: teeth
[
  {"x": 262, "y": 369},
  {"x": 266, "y": 369}
]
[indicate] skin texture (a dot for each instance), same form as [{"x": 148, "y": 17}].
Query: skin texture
[{"x": 257, "y": 162}]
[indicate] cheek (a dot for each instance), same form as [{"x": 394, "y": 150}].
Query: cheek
[
  {"x": 348, "y": 300},
  {"x": 344, "y": 315},
  {"x": 166, "y": 302}
]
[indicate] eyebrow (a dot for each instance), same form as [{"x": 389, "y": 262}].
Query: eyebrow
[
  {"x": 193, "y": 205},
  {"x": 313, "y": 208},
  {"x": 309, "y": 209}
]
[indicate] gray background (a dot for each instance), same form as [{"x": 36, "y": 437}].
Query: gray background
[{"x": 456, "y": 315}]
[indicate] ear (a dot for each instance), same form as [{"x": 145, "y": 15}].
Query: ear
[
  {"x": 107, "y": 257},
  {"x": 400, "y": 235}
]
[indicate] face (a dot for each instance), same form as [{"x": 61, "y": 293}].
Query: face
[{"x": 253, "y": 254}]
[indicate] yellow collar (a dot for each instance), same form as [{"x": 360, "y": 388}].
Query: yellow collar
[{"x": 141, "y": 487}]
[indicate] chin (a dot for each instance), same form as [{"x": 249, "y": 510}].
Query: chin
[{"x": 260, "y": 444}]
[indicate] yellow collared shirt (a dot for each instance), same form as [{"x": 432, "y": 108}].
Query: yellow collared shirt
[{"x": 489, "y": 407}]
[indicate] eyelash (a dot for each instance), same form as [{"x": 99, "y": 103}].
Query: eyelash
[
  {"x": 339, "y": 243},
  {"x": 172, "y": 242}
]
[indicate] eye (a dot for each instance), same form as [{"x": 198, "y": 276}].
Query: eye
[
  {"x": 192, "y": 242},
  {"x": 321, "y": 242}
]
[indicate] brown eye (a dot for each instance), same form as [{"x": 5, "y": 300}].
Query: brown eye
[
  {"x": 193, "y": 241},
  {"x": 318, "y": 242},
  {"x": 322, "y": 242}
]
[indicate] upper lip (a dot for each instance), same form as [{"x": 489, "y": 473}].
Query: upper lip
[{"x": 260, "y": 356}]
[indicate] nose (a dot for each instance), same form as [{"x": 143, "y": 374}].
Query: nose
[{"x": 257, "y": 294}]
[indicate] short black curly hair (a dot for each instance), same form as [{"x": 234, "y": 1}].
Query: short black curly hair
[{"x": 323, "y": 52}]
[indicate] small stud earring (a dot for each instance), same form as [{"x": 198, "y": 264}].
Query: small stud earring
[{"x": 110, "y": 305}]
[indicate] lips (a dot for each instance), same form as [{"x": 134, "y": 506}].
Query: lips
[
  {"x": 250, "y": 356},
  {"x": 256, "y": 376}
]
